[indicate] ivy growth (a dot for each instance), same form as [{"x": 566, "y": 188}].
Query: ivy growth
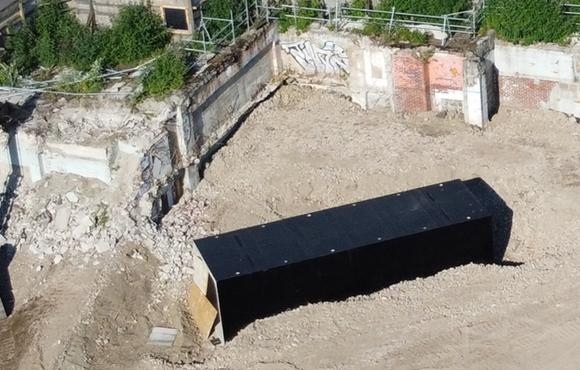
[{"x": 526, "y": 22}]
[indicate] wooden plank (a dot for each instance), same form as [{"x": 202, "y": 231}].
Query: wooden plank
[{"x": 202, "y": 311}]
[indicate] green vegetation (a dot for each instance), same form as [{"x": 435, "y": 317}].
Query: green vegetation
[
  {"x": 54, "y": 39},
  {"x": 285, "y": 22},
  {"x": 427, "y": 7},
  {"x": 136, "y": 33},
  {"x": 223, "y": 9},
  {"x": 167, "y": 74},
  {"x": 528, "y": 21},
  {"x": 377, "y": 25}
]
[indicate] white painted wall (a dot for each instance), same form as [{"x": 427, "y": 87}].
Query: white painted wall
[
  {"x": 53, "y": 157},
  {"x": 552, "y": 63},
  {"x": 342, "y": 60}
]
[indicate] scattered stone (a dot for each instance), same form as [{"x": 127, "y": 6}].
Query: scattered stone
[
  {"x": 441, "y": 114},
  {"x": 85, "y": 246},
  {"x": 102, "y": 247},
  {"x": 61, "y": 219},
  {"x": 57, "y": 259},
  {"x": 38, "y": 268},
  {"x": 72, "y": 197}
]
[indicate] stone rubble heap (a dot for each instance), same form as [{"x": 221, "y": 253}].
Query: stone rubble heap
[
  {"x": 171, "y": 242},
  {"x": 84, "y": 225},
  {"x": 98, "y": 121},
  {"x": 69, "y": 226}
]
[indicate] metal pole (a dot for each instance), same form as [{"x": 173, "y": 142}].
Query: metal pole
[
  {"x": 337, "y": 15},
  {"x": 392, "y": 18},
  {"x": 203, "y": 37},
  {"x": 233, "y": 27},
  {"x": 247, "y": 15},
  {"x": 444, "y": 24},
  {"x": 294, "y": 11}
]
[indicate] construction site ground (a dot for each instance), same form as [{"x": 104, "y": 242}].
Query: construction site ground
[{"x": 306, "y": 150}]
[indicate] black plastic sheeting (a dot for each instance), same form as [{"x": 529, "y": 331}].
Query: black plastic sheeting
[{"x": 349, "y": 250}]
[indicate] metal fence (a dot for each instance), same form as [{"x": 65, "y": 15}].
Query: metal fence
[
  {"x": 573, "y": 10},
  {"x": 228, "y": 30},
  {"x": 339, "y": 18}
]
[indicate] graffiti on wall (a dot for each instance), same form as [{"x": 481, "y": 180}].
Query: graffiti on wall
[{"x": 329, "y": 58}]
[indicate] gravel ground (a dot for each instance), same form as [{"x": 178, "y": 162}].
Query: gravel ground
[{"x": 306, "y": 150}]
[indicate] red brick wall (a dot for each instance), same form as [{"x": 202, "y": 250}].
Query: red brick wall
[
  {"x": 527, "y": 93},
  {"x": 411, "y": 87}
]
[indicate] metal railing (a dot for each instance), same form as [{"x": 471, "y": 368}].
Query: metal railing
[
  {"x": 232, "y": 28},
  {"x": 340, "y": 18},
  {"x": 573, "y": 10}
]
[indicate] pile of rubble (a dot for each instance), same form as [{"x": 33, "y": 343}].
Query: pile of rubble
[
  {"x": 99, "y": 121},
  {"x": 79, "y": 221},
  {"x": 77, "y": 225},
  {"x": 171, "y": 242}
]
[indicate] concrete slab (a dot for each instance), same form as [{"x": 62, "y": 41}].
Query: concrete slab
[
  {"x": 162, "y": 336},
  {"x": 61, "y": 218}
]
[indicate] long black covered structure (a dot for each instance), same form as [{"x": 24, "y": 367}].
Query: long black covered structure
[{"x": 339, "y": 252}]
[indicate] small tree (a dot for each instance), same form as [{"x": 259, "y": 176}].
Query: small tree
[
  {"x": 20, "y": 49},
  {"x": 136, "y": 33}
]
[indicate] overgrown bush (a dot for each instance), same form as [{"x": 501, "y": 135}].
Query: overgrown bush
[
  {"x": 136, "y": 33},
  {"x": 20, "y": 50},
  {"x": 285, "y": 21},
  {"x": 427, "y": 7},
  {"x": 166, "y": 74},
  {"x": 397, "y": 34},
  {"x": 77, "y": 82},
  {"x": 356, "y": 4},
  {"x": 55, "y": 38},
  {"x": 224, "y": 9},
  {"x": 528, "y": 21},
  {"x": 57, "y": 31}
]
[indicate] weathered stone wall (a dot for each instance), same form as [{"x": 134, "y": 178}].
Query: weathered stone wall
[
  {"x": 538, "y": 76},
  {"x": 218, "y": 95},
  {"x": 404, "y": 80}
]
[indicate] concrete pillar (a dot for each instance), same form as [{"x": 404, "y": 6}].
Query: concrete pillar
[
  {"x": 23, "y": 153},
  {"x": 475, "y": 103}
]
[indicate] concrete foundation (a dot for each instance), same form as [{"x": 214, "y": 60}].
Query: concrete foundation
[
  {"x": 539, "y": 76},
  {"x": 409, "y": 80}
]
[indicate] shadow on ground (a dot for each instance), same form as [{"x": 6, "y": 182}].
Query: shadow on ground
[
  {"x": 501, "y": 214},
  {"x": 11, "y": 117},
  {"x": 7, "y": 252}
]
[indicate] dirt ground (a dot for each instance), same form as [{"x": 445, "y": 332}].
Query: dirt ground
[{"x": 306, "y": 150}]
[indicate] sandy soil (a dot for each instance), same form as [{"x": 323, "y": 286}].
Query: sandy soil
[{"x": 306, "y": 150}]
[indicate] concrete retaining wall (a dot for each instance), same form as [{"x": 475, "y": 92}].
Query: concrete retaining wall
[
  {"x": 534, "y": 77},
  {"x": 404, "y": 80},
  {"x": 215, "y": 99},
  {"x": 36, "y": 161}
]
